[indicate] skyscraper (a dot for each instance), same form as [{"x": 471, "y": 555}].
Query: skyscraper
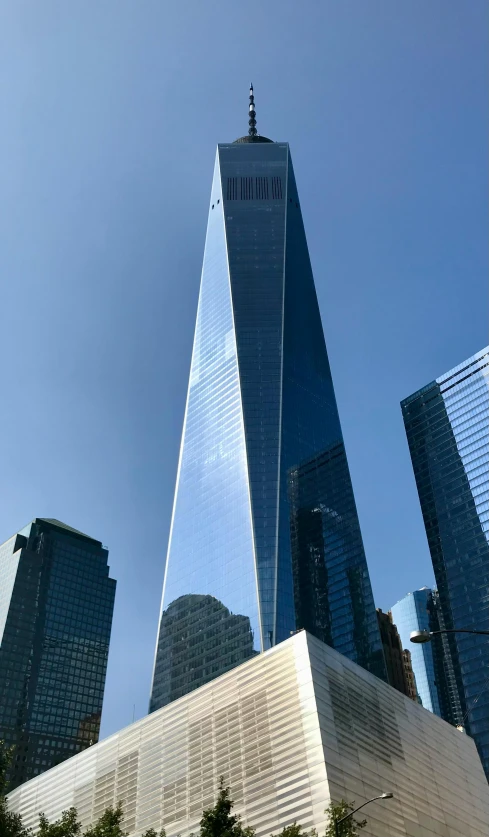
[
  {"x": 264, "y": 529},
  {"x": 431, "y": 662},
  {"x": 398, "y": 662},
  {"x": 56, "y": 604},
  {"x": 447, "y": 426},
  {"x": 412, "y": 690}
]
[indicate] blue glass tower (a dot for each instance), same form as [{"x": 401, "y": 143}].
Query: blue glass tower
[
  {"x": 447, "y": 425},
  {"x": 264, "y": 535},
  {"x": 56, "y": 605},
  {"x": 431, "y": 662}
]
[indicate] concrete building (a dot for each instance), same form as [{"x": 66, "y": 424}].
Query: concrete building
[{"x": 290, "y": 729}]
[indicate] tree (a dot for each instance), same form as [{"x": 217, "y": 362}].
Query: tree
[
  {"x": 348, "y": 828},
  {"x": 66, "y": 826},
  {"x": 10, "y": 824},
  {"x": 152, "y": 833},
  {"x": 219, "y": 821},
  {"x": 295, "y": 830},
  {"x": 109, "y": 824}
]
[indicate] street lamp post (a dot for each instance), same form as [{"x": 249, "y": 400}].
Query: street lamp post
[
  {"x": 425, "y": 636},
  {"x": 347, "y": 816}
]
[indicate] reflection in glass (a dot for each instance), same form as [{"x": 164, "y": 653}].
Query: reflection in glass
[
  {"x": 199, "y": 640},
  {"x": 260, "y": 402},
  {"x": 447, "y": 426},
  {"x": 332, "y": 592}
]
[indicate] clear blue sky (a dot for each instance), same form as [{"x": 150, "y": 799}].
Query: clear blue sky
[{"x": 111, "y": 112}]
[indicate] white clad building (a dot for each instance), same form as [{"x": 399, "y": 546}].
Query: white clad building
[{"x": 289, "y": 730}]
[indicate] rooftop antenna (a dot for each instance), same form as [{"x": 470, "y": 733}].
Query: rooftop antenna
[{"x": 252, "y": 132}]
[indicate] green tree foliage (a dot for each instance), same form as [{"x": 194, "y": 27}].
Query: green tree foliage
[
  {"x": 295, "y": 830},
  {"x": 219, "y": 821},
  {"x": 10, "y": 824},
  {"x": 109, "y": 824},
  {"x": 66, "y": 826},
  {"x": 348, "y": 828}
]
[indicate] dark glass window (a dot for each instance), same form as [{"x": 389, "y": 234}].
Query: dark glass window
[
  {"x": 55, "y": 623},
  {"x": 447, "y": 425}
]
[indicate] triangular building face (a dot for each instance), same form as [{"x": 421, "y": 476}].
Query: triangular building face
[{"x": 265, "y": 536}]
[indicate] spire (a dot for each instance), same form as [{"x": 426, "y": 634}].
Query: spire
[
  {"x": 252, "y": 132},
  {"x": 252, "y": 135}
]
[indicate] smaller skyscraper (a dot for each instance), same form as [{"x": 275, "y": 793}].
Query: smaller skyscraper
[
  {"x": 431, "y": 662},
  {"x": 447, "y": 427},
  {"x": 56, "y": 605},
  {"x": 409, "y": 675},
  {"x": 399, "y": 672}
]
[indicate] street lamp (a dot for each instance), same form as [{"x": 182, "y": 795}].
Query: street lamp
[
  {"x": 347, "y": 816},
  {"x": 426, "y": 636}
]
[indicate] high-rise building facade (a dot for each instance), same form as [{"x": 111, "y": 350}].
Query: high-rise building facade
[
  {"x": 399, "y": 672},
  {"x": 264, "y": 534},
  {"x": 412, "y": 690},
  {"x": 431, "y": 662},
  {"x": 447, "y": 426},
  {"x": 56, "y": 605}
]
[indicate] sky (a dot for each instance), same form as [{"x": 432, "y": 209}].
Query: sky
[{"x": 111, "y": 112}]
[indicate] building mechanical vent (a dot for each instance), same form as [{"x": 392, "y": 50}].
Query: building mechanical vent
[{"x": 254, "y": 188}]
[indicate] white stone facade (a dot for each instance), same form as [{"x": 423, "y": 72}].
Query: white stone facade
[{"x": 289, "y": 729}]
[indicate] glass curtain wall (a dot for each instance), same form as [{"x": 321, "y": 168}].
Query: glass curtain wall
[
  {"x": 447, "y": 426},
  {"x": 260, "y": 407}
]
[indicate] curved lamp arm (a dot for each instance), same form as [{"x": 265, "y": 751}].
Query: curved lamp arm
[{"x": 347, "y": 816}]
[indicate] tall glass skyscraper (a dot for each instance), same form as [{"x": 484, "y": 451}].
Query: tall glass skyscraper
[
  {"x": 447, "y": 425},
  {"x": 264, "y": 534},
  {"x": 56, "y": 604},
  {"x": 431, "y": 662}
]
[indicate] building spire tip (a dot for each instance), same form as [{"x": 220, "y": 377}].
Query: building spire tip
[{"x": 252, "y": 132}]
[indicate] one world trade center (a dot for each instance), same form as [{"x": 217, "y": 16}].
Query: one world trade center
[{"x": 264, "y": 536}]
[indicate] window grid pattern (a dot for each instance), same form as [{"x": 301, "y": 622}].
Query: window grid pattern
[
  {"x": 261, "y": 402},
  {"x": 447, "y": 426},
  {"x": 209, "y": 621},
  {"x": 53, "y": 654},
  {"x": 412, "y": 614}
]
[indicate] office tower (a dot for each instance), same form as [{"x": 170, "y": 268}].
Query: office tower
[
  {"x": 56, "y": 604},
  {"x": 412, "y": 691},
  {"x": 399, "y": 671},
  {"x": 264, "y": 534},
  {"x": 447, "y": 426},
  {"x": 415, "y": 612},
  {"x": 289, "y": 731}
]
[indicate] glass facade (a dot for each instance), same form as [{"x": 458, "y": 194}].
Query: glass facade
[
  {"x": 56, "y": 604},
  {"x": 447, "y": 425},
  {"x": 260, "y": 409},
  {"x": 418, "y": 612},
  {"x": 398, "y": 661}
]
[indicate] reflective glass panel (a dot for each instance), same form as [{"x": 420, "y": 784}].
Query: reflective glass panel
[
  {"x": 447, "y": 425},
  {"x": 209, "y": 620}
]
